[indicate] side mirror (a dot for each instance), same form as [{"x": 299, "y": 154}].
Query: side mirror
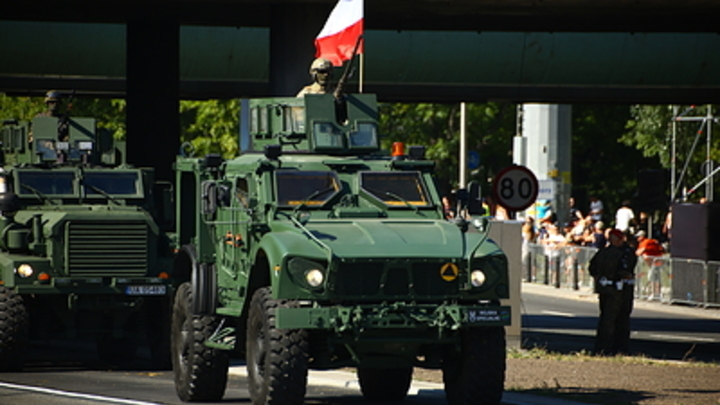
[{"x": 481, "y": 224}]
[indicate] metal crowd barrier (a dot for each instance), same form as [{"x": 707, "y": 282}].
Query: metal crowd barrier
[{"x": 665, "y": 279}]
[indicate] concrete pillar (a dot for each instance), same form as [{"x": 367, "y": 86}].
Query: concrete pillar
[
  {"x": 547, "y": 147},
  {"x": 508, "y": 236},
  {"x": 293, "y": 29},
  {"x": 153, "y": 74}
]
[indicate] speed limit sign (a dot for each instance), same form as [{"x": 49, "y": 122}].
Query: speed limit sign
[{"x": 515, "y": 188}]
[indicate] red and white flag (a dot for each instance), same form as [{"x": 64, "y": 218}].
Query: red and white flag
[{"x": 338, "y": 37}]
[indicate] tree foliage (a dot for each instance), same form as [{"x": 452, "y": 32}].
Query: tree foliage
[
  {"x": 650, "y": 130},
  {"x": 490, "y": 127},
  {"x": 211, "y": 126}
]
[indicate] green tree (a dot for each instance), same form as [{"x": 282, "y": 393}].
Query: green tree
[
  {"x": 649, "y": 129},
  {"x": 490, "y": 127},
  {"x": 211, "y": 126},
  {"x": 601, "y": 163},
  {"x": 109, "y": 113}
]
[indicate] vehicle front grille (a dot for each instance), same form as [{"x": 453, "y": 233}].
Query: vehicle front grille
[
  {"x": 107, "y": 248},
  {"x": 373, "y": 280}
]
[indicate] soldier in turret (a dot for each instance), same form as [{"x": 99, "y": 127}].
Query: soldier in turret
[
  {"x": 321, "y": 73},
  {"x": 52, "y": 104}
]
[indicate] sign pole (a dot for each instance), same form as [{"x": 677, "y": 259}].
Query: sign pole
[{"x": 463, "y": 148}]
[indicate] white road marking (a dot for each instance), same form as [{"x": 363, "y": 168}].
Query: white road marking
[
  {"x": 78, "y": 395},
  {"x": 557, "y": 313}
]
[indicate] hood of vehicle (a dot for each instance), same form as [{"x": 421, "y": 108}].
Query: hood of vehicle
[{"x": 390, "y": 238}]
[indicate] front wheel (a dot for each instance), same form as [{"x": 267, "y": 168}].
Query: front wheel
[
  {"x": 385, "y": 384},
  {"x": 13, "y": 330},
  {"x": 200, "y": 372},
  {"x": 277, "y": 359},
  {"x": 476, "y": 375}
]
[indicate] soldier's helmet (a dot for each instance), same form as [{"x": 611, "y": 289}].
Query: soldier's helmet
[
  {"x": 53, "y": 95},
  {"x": 320, "y": 65}
]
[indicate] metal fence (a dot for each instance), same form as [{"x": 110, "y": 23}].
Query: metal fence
[{"x": 661, "y": 278}]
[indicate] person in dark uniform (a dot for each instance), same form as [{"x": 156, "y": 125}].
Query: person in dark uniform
[{"x": 613, "y": 270}]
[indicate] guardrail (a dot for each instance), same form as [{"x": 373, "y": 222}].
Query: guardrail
[{"x": 670, "y": 280}]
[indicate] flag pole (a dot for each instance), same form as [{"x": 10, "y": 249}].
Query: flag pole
[{"x": 362, "y": 72}]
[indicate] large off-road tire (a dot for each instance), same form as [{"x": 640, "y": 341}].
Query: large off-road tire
[
  {"x": 277, "y": 359},
  {"x": 13, "y": 330},
  {"x": 477, "y": 374},
  {"x": 200, "y": 372},
  {"x": 385, "y": 384}
]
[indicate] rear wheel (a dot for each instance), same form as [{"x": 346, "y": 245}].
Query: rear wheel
[
  {"x": 385, "y": 384},
  {"x": 13, "y": 330},
  {"x": 200, "y": 372},
  {"x": 476, "y": 375},
  {"x": 277, "y": 359}
]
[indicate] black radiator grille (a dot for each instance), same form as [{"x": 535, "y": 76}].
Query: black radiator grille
[
  {"x": 109, "y": 248},
  {"x": 393, "y": 280}
]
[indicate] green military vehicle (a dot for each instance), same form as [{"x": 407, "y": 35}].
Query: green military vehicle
[
  {"x": 314, "y": 250},
  {"x": 83, "y": 248}
]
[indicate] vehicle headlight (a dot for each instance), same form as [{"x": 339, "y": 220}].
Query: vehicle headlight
[
  {"x": 477, "y": 278},
  {"x": 308, "y": 272},
  {"x": 314, "y": 277},
  {"x": 25, "y": 270}
]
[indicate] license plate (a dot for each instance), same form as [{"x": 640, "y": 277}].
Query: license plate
[
  {"x": 487, "y": 315},
  {"x": 146, "y": 290}
]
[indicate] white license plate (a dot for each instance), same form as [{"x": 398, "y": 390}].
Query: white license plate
[{"x": 146, "y": 290}]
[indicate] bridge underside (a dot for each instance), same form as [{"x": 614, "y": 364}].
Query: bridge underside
[{"x": 222, "y": 62}]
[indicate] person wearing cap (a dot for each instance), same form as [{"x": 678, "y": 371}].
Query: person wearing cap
[
  {"x": 613, "y": 268},
  {"x": 321, "y": 73}
]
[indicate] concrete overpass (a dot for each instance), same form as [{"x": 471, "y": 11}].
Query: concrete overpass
[{"x": 564, "y": 51}]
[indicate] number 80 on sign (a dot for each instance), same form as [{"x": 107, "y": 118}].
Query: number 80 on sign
[{"x": 515, "y": 188}]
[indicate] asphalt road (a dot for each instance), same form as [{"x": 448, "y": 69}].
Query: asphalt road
[
  {"x": 565, "y": 321},
  {"x": 561, "y": 320}
]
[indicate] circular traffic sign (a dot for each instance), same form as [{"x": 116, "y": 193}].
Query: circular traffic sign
[{"x": 515, "y": 188}]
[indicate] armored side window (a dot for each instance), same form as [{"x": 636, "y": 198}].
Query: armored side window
[
  {"x": 365, "y": 136},
  {"x": 307, "y": 188},
  {"x": 242, "y": 191},
  {"x": 396, "y": 188},
  {"x": 45, "y": 183},
  {"x": 327, "y": 135},
  {"x": 115, "y": 183}
]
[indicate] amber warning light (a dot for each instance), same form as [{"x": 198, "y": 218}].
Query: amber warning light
[{"x": 398, "y": 149}]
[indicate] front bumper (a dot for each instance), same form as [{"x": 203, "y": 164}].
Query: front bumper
[{"x": 392, "y": 316}]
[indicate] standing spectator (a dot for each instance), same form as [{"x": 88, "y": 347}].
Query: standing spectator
[
  {"x": 574, "y": 214},
  {"x": 667, "y": 226},
  {"x": 448, "y": 210},
  {"x": 528, "y": 237},
  {"x": 613, "y": 270},
  {"x": 649, "y": 250},
  {"x": 596, "y": 208},
  {"x": 624, "y": 217},
  {"x": 597, "y": 237}
]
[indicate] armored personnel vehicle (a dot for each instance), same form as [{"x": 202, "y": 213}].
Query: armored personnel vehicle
[
  {"x": 83, "y": 249},
  {"x": 314, "y": 250}
]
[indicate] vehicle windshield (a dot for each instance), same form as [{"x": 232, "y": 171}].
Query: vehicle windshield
[
  {"x": 55, "y": 182},
  {"x": 111, "y": 182},
  {"x": 305, "y": 188},
  {"x": 396, "y": 188}
]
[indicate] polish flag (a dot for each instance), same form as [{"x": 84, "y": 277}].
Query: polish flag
[{"x": 338, "y": 37}]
